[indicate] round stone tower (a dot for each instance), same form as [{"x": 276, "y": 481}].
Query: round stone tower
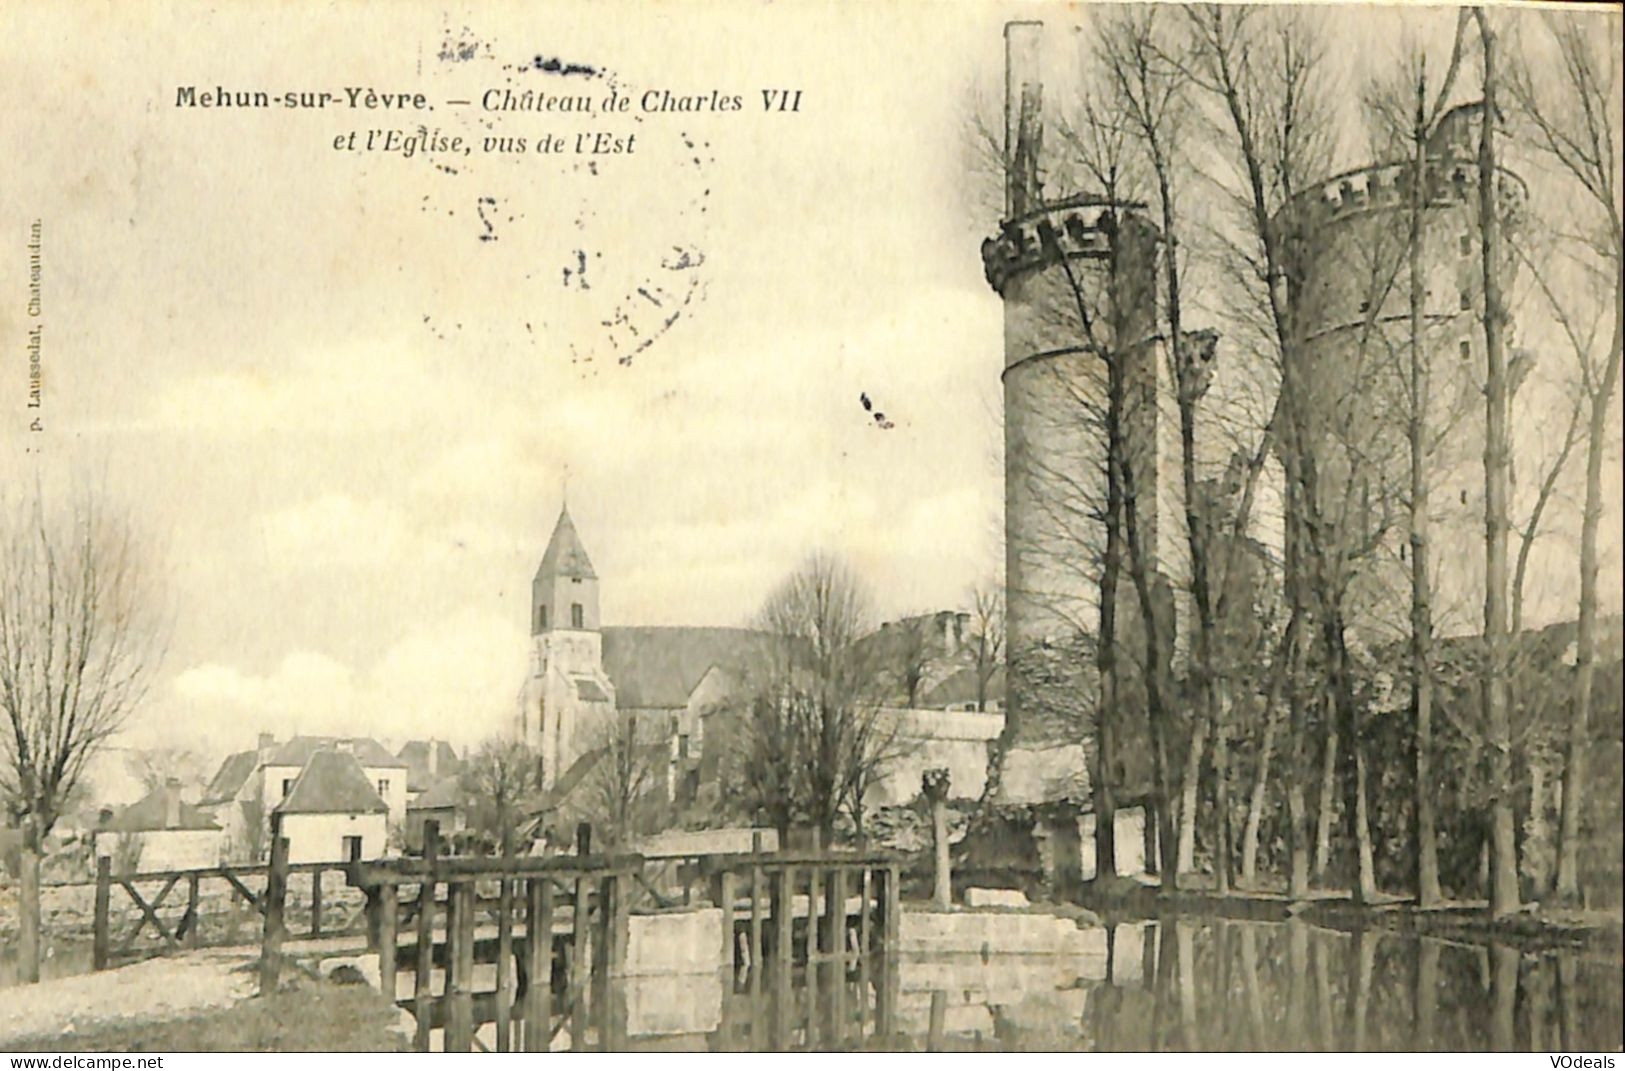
[
  {"x": 1077, "y": 275},
  {"x": 1348, "y": 235}
]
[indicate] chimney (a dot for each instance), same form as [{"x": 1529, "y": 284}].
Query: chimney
[
  {"x": 267, "y": 741},
  {"x": 1023, "y": 102},
  {"x": 346, "y": 746},
  {"x": 434, "y": 758},
  {"x": 172, "y": 803}
]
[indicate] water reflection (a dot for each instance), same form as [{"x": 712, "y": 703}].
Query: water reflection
[{"x": 1179, "y": 985}]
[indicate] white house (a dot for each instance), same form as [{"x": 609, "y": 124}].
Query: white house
[
  {"x": 333, "y": 810},
  {"x": 386, "y": 773}
]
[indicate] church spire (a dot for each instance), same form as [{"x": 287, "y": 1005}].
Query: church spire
[
  {"x": 565, "y": 556},
  {"x": 564, "y": 594}
]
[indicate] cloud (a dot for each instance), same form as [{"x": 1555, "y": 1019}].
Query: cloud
[{"x": 457, "y": 679}]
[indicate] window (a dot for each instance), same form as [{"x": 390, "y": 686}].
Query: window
[
  {"x": 682, "y": 746},
  {"x": 541, "y": 617},
  {"x": 352, "y": 847},
  {"x": 578, "y": 616},
  {"x": 1466, "y": 349},
  {"x": 1466, "y": 301},
  {"x": 1466, "y": 244},
  {"x": 287, "y": 786},
  {"x": 383, "y": 786}
]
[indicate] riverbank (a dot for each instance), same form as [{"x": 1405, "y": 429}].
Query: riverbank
[
  {"x": 1536, "y": 929},
  {"x": 200, "y": 1002}
]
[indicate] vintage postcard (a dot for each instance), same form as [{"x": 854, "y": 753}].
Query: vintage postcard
[{"x": 814, "y": 526}]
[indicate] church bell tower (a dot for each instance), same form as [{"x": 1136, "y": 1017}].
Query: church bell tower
[{"x": 566, "y": 693}]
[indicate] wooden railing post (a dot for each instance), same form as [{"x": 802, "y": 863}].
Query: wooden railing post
[
  {"x": 425, "y": 944},
  {"x": 889, "y": 896},
  {"x": 369, "y": 912},
  {"x": 388, "y": 939},
  {"x": 276, "y": 891},
  {"x": 813, "y": 957},
  {"x": 580, "y": 961},
  {"x": 784, "y": 895},
  {"x": 102, "y": 937},
  {"x": 458, "y": 1003},
  {"x": 504, "y": 993},
  {"x": 610, "y": 961},
  {"x": 756, "y": 931},
  {"x": 724, "y": 894},
  {"x": 316, "y": 908},
  {"x": 192, "y": 919},
  {"x": 538, "y": 964},
  {"x": 835, "y": 915}
]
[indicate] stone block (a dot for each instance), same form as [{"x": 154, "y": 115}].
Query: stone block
[
  {"x": 679, "y": 942},
  {"x": 366, "y": 966},
  {"x": 663, "y": 1005},
  {"x": 978, "y": 897}
]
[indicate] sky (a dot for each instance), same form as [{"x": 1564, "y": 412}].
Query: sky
[{"x": 341, "y": 394}]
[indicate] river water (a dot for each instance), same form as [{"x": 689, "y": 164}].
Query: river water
[
  {"x": 1199, "y": 984},
  {"x": 1187, "y": 985}
]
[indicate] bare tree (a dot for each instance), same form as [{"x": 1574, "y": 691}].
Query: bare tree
[
  {"x": 499, "y": 776},
  {"x": 1504, "y": 897},
  {"x": 626, "y": 778},
  {"x": 808, "y": 737},
  {"x": 909, "y": 654},
  {"x": 987, "y": 636},
  {"x": 1265, "y": 71},
  {"x": 1576, "y": 118},
  {"x": 157, "y": 766},
  {"x": 79, "y": 642},
  {"x": 1412, "y": 113}
]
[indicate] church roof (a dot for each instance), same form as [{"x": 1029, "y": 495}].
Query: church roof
[
  {"x": 332, "y": 782},
  {"x": 660, "y": 667},
  {"x": 565, "y": 556}
]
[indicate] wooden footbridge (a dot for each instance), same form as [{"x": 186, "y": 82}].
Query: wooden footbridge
[{"x": 557, "y": 967}]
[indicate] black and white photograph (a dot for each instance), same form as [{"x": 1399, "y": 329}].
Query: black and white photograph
[{"x": 883, "y": 527}]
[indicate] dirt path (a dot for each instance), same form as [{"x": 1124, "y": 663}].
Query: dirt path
[{"x": 166, "y": 988}]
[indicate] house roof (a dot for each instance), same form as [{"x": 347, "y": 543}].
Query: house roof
[
  {"x": 565, "y": 556},
  {"x": 960, "y": 687},
  {"x": 443, "y": 794},
  {"x": 332, "y": 782},
  {"x": 661, "y": 667},
  {"x": 415, "y": 753},
  {"x": 298, "y": 751},
  {"x": 151, "y": 813},
  {"x": 230, "y": 778}
]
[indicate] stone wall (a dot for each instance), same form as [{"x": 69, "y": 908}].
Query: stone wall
[{"x": 956, "y": 741}]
